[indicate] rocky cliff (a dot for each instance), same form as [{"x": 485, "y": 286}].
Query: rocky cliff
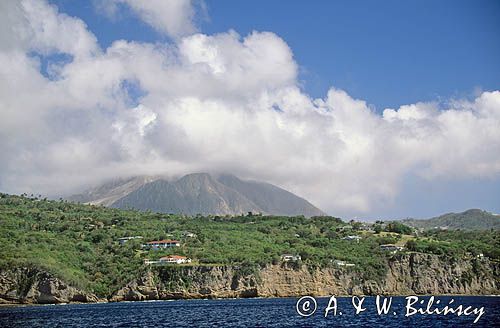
[
  {"x": 31, "y": 285},
  {"x": 407, "y": 274}
]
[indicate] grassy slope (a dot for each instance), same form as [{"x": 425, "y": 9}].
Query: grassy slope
[{"x": 79, "y": 242}]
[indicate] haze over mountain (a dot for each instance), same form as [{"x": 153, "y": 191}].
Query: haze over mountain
[
  {"x": 198, "y": 193},
  {"x": 473, "y": 219}
]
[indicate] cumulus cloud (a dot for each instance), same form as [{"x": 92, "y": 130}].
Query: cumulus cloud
[
  {"x": 36, "y": 26},
  {"x": 216, "y": 103},
  {"x": 171, "y": 17}
]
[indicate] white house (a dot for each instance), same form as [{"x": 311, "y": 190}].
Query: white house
[
  {"x": 356, "y": 238},
  {"x": 290, "y": 257},
  {"x": 391, "y": 248},
  {"x": 342, "y": 263},
  {"x": 177, "y": 259},
  {"x": 161, "y": 244},
  {"x": 147, "y": 261}
]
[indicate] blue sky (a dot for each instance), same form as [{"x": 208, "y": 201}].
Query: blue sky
[
  {"x": 387, "y": 109},
  {"x": 389, "y": 53}
]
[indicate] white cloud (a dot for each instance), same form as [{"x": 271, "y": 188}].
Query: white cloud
[
  {"x": 171, "y": 17},
  {"x": 36, "y": 26},
  {"x": 218, "y": 103}
]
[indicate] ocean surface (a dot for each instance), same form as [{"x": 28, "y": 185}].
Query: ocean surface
[{"x": 279, "y": 312}]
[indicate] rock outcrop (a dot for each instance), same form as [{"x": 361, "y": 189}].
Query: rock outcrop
[
  {"x": 35, "y": 286},
  {"x": 189, "y": 282},
  {"x": 431, "y": 274},
  {"x": 407, "y": 274}
]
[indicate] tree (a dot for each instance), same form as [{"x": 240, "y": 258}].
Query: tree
[
  {"x": 398, "y": 227},
  {"x": 411, "y": 245}
]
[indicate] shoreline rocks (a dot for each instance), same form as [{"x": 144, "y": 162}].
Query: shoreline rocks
[{"x": 34, "y": 286}]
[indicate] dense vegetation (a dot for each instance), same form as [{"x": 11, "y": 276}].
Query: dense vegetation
[
  {"x": 458, "y": 243},
  {"x": 79, "y": 243}
]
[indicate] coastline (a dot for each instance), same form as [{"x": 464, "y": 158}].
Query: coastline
[
  {"x": 6, "y": 305},
  {"x": 407, "y": 275}
]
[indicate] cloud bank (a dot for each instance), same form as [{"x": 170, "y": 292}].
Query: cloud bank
[{"x": 73, "y": 114}]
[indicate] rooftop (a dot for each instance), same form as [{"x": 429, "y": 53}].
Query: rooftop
[
  {"x": 176, "y": 257},
  {"x": 164, "y": 241}
]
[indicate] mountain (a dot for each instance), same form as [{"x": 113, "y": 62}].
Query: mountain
[
  {"x": 269, "y": 198},
  {"x": 473, "y": 219},
  {"x": 198, "y": 193},
  {"x": 108, "y": 193}
]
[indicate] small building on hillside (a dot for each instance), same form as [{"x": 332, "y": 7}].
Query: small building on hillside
[
  {"x": 177, "y": 259},
  {"x": 391, "y": 248},
  {"x": 345, "y": 227},
  {"x": 342, "y": 263},
  {"x": 149, "y": 262},
  {"x": 161, "y": 244},
  {"x": 290, "y": 258},
  {"x": 366, "y": 227},
  {"x": 481, "y": 256},
  {"x": 352, "y": 238}
]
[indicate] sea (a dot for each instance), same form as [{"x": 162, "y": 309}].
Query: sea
[{"x": 256, "y": 312}]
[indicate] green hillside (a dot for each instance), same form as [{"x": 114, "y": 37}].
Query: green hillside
[
  {"x": 79, "y": 243},
  {"x": 473, "y": 219}
]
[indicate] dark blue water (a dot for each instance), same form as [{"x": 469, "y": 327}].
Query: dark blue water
[{"x": 242, "y": 313}]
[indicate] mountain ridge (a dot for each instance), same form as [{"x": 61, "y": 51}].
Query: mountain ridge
[
  {"x": 471, "y": 219},
  {"x": 198, "y": 193}
]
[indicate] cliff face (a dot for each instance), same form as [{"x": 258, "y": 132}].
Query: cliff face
[
  {"x": 428, "y": 274},
  {"x": 190, "y": 282},
  {"x": 29, "y": 285},
  {"x": 407, "y": 274}
]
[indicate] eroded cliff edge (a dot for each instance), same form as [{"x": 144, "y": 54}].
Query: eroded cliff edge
[
  {"x": 411, "y": 273},
  {"x": 34, "y": 286},
  {"x": 407, "y": 274}
]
